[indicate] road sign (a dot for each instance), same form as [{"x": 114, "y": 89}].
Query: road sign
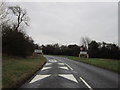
[
  {"x": 83, "y": 52},
  {"x": 37, "y": 51}
]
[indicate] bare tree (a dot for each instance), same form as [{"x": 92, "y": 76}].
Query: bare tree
[
  {"x": 88, "y": 40},
  {"x": 3, "y": 13},
  {"x": 20, "y": 14},
  {"x": 85, "y": 42}
]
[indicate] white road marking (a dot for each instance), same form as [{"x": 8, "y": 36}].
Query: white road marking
[
  {"x": 68, "y": 76},
  {"x": 64, "y": 68},
  {"x": 38, "y": 77},
  {"x": 68, "y": 66},
  {"x": 52, "y": 60},
  {"x": 86, "y": 83},
  {"x": 44, "y": 68},
  {"x": 61, "y": 63},
  {"x": 48, "y": 64}
]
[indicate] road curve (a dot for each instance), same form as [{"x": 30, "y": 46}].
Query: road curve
[{"x": 61, "y": 72}]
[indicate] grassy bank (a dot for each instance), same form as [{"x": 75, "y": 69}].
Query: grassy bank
[
  {"x": 17, "y": 70},
  {"x": 109, "y": 64}
]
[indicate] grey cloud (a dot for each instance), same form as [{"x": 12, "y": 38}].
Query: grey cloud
[{"x": 66, "y": 23}]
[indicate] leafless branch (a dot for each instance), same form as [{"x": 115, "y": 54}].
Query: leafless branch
[{"x": 20, "y": 14}]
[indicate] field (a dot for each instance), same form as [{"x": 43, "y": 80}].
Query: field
[
  {"x": 17, "y": 70},
  {"x": 109, "y": 64}
]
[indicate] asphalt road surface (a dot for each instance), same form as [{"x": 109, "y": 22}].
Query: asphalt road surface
[{"x": 61, "y": 72}]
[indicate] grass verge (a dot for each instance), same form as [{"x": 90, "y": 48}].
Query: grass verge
[
  {"x": 15, "y": 71},
  {"x": 109, "y": 64}
]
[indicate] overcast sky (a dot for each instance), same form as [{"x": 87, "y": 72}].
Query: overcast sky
[{"x": 66, "y": 22}]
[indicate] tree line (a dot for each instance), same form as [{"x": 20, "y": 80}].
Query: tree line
[
  {"x": 103, "y": 50},
  {"x": 95, "y": 50}
]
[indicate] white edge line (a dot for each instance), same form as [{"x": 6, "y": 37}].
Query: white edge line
[
  {"x": 69, "y": 66},
  {"x": 86, "y": 83}
]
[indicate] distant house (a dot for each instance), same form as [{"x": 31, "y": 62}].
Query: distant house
[{"x": 37, "y": 52}]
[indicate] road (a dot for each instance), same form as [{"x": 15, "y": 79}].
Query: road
[{"x": 61, "y": 72}]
